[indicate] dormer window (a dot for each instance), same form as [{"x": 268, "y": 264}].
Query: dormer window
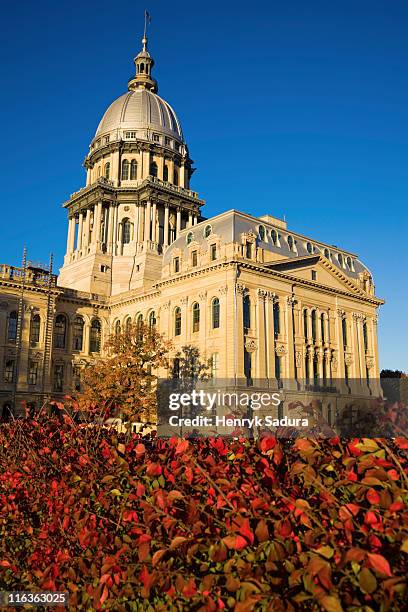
[
  {"x": 248, "y": 250},
  {"x": 176, "y": 264},
  {"x": 348, "y": 263},
  {"x": 327, "y": 253},
  {"x": 291, "y": 243},
  {"x": 262, "y": 232},
  {"x": 309, "y": 247},
  {"x": 274, "y": 236},
  {"x": 340, "y": 259}
]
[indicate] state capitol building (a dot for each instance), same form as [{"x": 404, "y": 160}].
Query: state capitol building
[{"x": 259, "y": 301}]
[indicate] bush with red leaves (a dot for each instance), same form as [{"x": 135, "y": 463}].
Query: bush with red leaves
[{"x": 203, "y": 525}]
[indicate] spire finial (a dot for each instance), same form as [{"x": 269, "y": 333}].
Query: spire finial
[{"x": 147, "y": 20}]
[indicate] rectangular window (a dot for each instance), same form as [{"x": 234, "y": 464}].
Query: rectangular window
[
  {"x": 76, "y": 378},
  {"x": 156, "y": 138},
  {"x": 9, "y": 371},
  {"x": 314, "y": 275},
  {"x": 104, "y": 268},
  {"x": 248, "y": 250},
  {"x": 32, "y": 373},
  {"x": 213, "y": 251},
  {"x": 107, "y": 139},
  {"x": 58, "y": 378},
  {"x": 167, "y": 141},
  {"x": 194, "y": 259},
  {"x": 214, "y": 365},
  {"x": 177, "y": 264},
  {"x": 130, "y": 135}
]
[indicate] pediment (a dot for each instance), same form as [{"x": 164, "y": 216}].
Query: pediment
[{"x": 326, "y": 273}]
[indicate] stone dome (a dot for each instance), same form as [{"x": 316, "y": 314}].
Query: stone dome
[{"x": 141, "y": 111}]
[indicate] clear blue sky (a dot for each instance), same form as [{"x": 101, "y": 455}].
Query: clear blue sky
[{"x": 291, "y": 108}]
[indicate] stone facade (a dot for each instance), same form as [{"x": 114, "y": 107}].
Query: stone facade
[{"x": 260, "y": 301}]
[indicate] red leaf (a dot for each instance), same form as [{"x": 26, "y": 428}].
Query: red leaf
[
  {"x": 182, "y": 445},
  {"x": 373, "y": 497},
  {"x": 235, "y": 542},
  {"x": 246, "y": 531},
  {"x": 379, "y": 564},
  {"x": 267, "y": 442},
  {"x": 105, "y": 594}
]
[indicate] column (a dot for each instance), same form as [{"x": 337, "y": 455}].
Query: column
[
  {"x": 147, "y": 220},
  {"x": 182, "y": 175},
  {"x": 290, "y": 373},
  {"x": 80, "y": 231},
  {"x": 160, "y": 168},
  {"x": 190, "y": 219},
  {"x": 71, "y": 235},
  {"x": 154, "y": 225},
  {"x": 86, "y": 228},
  {"x": 96, "y": 238},
  {"x": 135, "y": 237},
  {"x": 166, "y": 225},
  {"x": 140, "y": 226},
  {"x": 239, "y": 342},
  {"x": 110, "y": 217},
  {"x": 195, "y": 221},
  {"x": 341, "y": 371},
  {"x": 270, "y": 334},
  {"x": 178, "y": 224},
  {"x": 115, "y": 230},
  {"x": 262, "y": 349}
]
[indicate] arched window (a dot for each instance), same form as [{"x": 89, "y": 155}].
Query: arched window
[
  {"x": 196, "y": 317},
  {"x": 189, "y": 238},
  {"x": 344, "y": 331},
  {"x": 12, "y": 327},
  {"x": 314, "y": 330},
  {"x": 315, "y": 369},
  {"x": 340, "y": 259},
  {"x": 305, "y": 326},
  {"x": 126, "y": 231},
  {"x": 348, "y": 262},
  {"x": 139, "y": 326},
  {"x": 117, "y": 328},
  {"x": 309, "y": 247},
  {"x": 95, "y": 337},
  {"x": 274, "y": 237},
  {"x": 60, "y": 333},
  {"x": 153, "y": 168},
  {"x": 152, "y": 320},
  {"x": 215, "y": 313},
  {"x": 324, "y": 370},
  {"x": 327, "y": 253},
  {"x": 78, "y": 334},
  {"x": 276, "y": 318},
  {"x": 247, "y": 312},
  {"x": 322, "y": 328},
  {"x": 128, "y": 325},
  {"x": 207, "y": 231},
  {"x": 307, "y": 372},
  {"x": 262, "y": 232},
  {"x": 175, "y": 177},
  {"x": 142, "y": 67},
  {"x": 133, "y": 170},
  {"x": 177, "y": 321},
  {"x": 35, "y": 329},
  {"x": 107, "y": 170},
  {"x": 291, "y": 243},
  {"x": 125, "y": 170},
  {"x": 365, "y": 336},
  {"x": 165, "y": 173}
]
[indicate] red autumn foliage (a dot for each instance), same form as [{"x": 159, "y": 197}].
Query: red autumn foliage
[{"x": 205, "y": 524}]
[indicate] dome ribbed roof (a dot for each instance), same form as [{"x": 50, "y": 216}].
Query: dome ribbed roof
[{"x": 140, "y": 109}]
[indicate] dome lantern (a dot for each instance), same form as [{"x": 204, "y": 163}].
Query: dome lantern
[{"x": 143, "y": 64}]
